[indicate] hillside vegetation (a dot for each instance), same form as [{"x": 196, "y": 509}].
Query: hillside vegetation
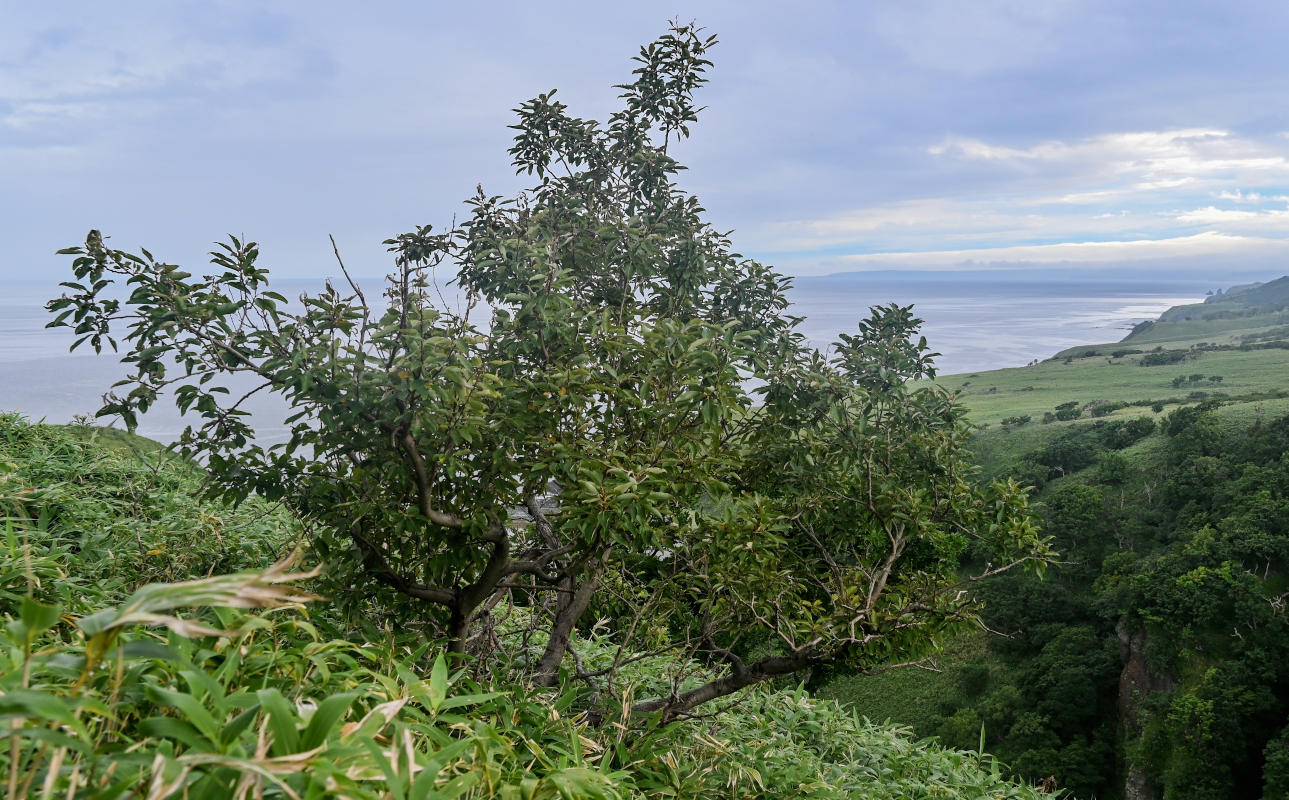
[
  {"x": 1151, "y": 663},
  {"x": 246, "y": 685},
  {"x": 1235, "y": 348},
  {"x": 1236, "y": 302}
]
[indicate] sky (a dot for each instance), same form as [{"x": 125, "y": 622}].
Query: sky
[{"x": 1057, "y": 135}]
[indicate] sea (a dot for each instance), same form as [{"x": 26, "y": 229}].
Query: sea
[{"x": 978, "y": 320}]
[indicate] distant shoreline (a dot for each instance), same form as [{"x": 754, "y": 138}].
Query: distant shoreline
[{"x": 975, "y": 324}]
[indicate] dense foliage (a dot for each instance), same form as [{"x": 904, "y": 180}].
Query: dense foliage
[
  {"x": 637, "y": 434},
  {"x": 232, "y": 687},
  {"x": 1157, "y": 655},
  {"x": 121, "y": 507}
]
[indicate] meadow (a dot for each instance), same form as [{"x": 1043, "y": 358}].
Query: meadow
[{"x": 1093, "y": 374}]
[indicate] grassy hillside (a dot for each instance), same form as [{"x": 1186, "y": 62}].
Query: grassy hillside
[
  {"x": 1235, "y": 352},
  {"x": 243, "y": 686},
  {"x": 1177, "y": 537},
  {"x": 1238, "y": 300},
  {"x": 997, "y": 394},
  {"x": 1140, "y": 519}
]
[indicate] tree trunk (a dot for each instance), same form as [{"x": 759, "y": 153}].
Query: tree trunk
[
  {"x": 572, "y": 602},
  {"x": 469, "y": 598},
  {"x": 754, "y": 673}
]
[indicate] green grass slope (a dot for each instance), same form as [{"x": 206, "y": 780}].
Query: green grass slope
[
  {"x": 1260, "y": 297},
  {"x": 1254, "y": 384},
  {"x": 1233, "y": 347},
  {"x": 998, "y": 394}
]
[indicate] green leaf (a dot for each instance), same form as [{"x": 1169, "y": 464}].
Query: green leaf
[
  {"x": 36, "y": 705},
  {"x": 282, "y": 722},
  {"x": 324, "y": 719},
  {"x": 153, "y": 649},
  {"x": 397, "y": 786},
  {"x": 422, "y": 788},
  {"x": 438, "y": 687},
  {"x": 178, "y": 730},
  {"x": 56, "y": 738},
  {"x": 234, "y": 727},
  {"x": 457, "y": 701},
  {"x": 37, "y": 618},
  {"x": 192, "y": 710}
]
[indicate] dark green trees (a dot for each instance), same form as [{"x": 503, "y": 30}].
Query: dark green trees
[{"x": 1159, "y": 649}]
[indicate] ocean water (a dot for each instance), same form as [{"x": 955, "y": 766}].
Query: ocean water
[
  {"x": 976, "y": 322},
  {"x": 989, "y": 321}
]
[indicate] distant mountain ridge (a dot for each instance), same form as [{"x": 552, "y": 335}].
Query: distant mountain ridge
[
  {"x": 1235, "y": 301},
  {"x": 1221, "y": 293},
  {"x": 1241, "y": 315}
]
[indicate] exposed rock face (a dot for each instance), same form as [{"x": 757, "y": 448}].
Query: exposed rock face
[{"x": 1136, "y": 682}]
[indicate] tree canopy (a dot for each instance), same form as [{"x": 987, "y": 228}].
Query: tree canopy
[{"x": 620, "y": 423}]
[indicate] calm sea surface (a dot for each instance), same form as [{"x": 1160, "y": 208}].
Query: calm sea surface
[{"x": 976, "y": 323}]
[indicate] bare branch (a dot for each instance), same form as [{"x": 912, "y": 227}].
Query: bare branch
[
  {"x": 340, "y": 261},
  {"x": 765, "y": 669},
  {"x": 379, "y": 568}
]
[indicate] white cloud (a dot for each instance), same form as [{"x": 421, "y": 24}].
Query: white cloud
[
  {"x": 1117, "y": 195},
  {"x": 1238, "y": 196},
  {"x": 944, "y": 222},
  {"x": 1209, "y": 243},
  {"x": 1211, "y": 215},
  {"x": 1140, "y": 160},
  {"x": 1138, "y": 146}
]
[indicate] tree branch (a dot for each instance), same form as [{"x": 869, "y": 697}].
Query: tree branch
[
  {"x": 757, "y": 672},
  {"x": 380, "y": 569},
  {"x": 423, "y": 487}
]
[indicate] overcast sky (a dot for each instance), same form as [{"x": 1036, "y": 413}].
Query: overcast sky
[{"x": 838, "y": 136}]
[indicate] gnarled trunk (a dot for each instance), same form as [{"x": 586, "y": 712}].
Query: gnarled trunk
[{"x": 573, "y": 598}]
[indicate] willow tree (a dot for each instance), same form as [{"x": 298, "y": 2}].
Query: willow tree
[{"x": 635, "y": 414}]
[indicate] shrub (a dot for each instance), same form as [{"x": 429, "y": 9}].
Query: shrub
[
  {"x": 1068, "y": 411},
  {"x": 1069, "y": 453},
  {"x": 1106, "y": 408},
  {"x": 1118, "y": 434},
  {"x": 238, "y": 705},
  {"x": 973, "y": 679},
  {"x": 1030, "y": 472},
  {"x": 1113, "y": 469},
  {"x": 227, "y": 702},
  {"x": 123, "y": 506},
  {"x": 1163, "y": 358}
]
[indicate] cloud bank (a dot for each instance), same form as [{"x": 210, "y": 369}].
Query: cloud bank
[{"x": 927, "y": 134}]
